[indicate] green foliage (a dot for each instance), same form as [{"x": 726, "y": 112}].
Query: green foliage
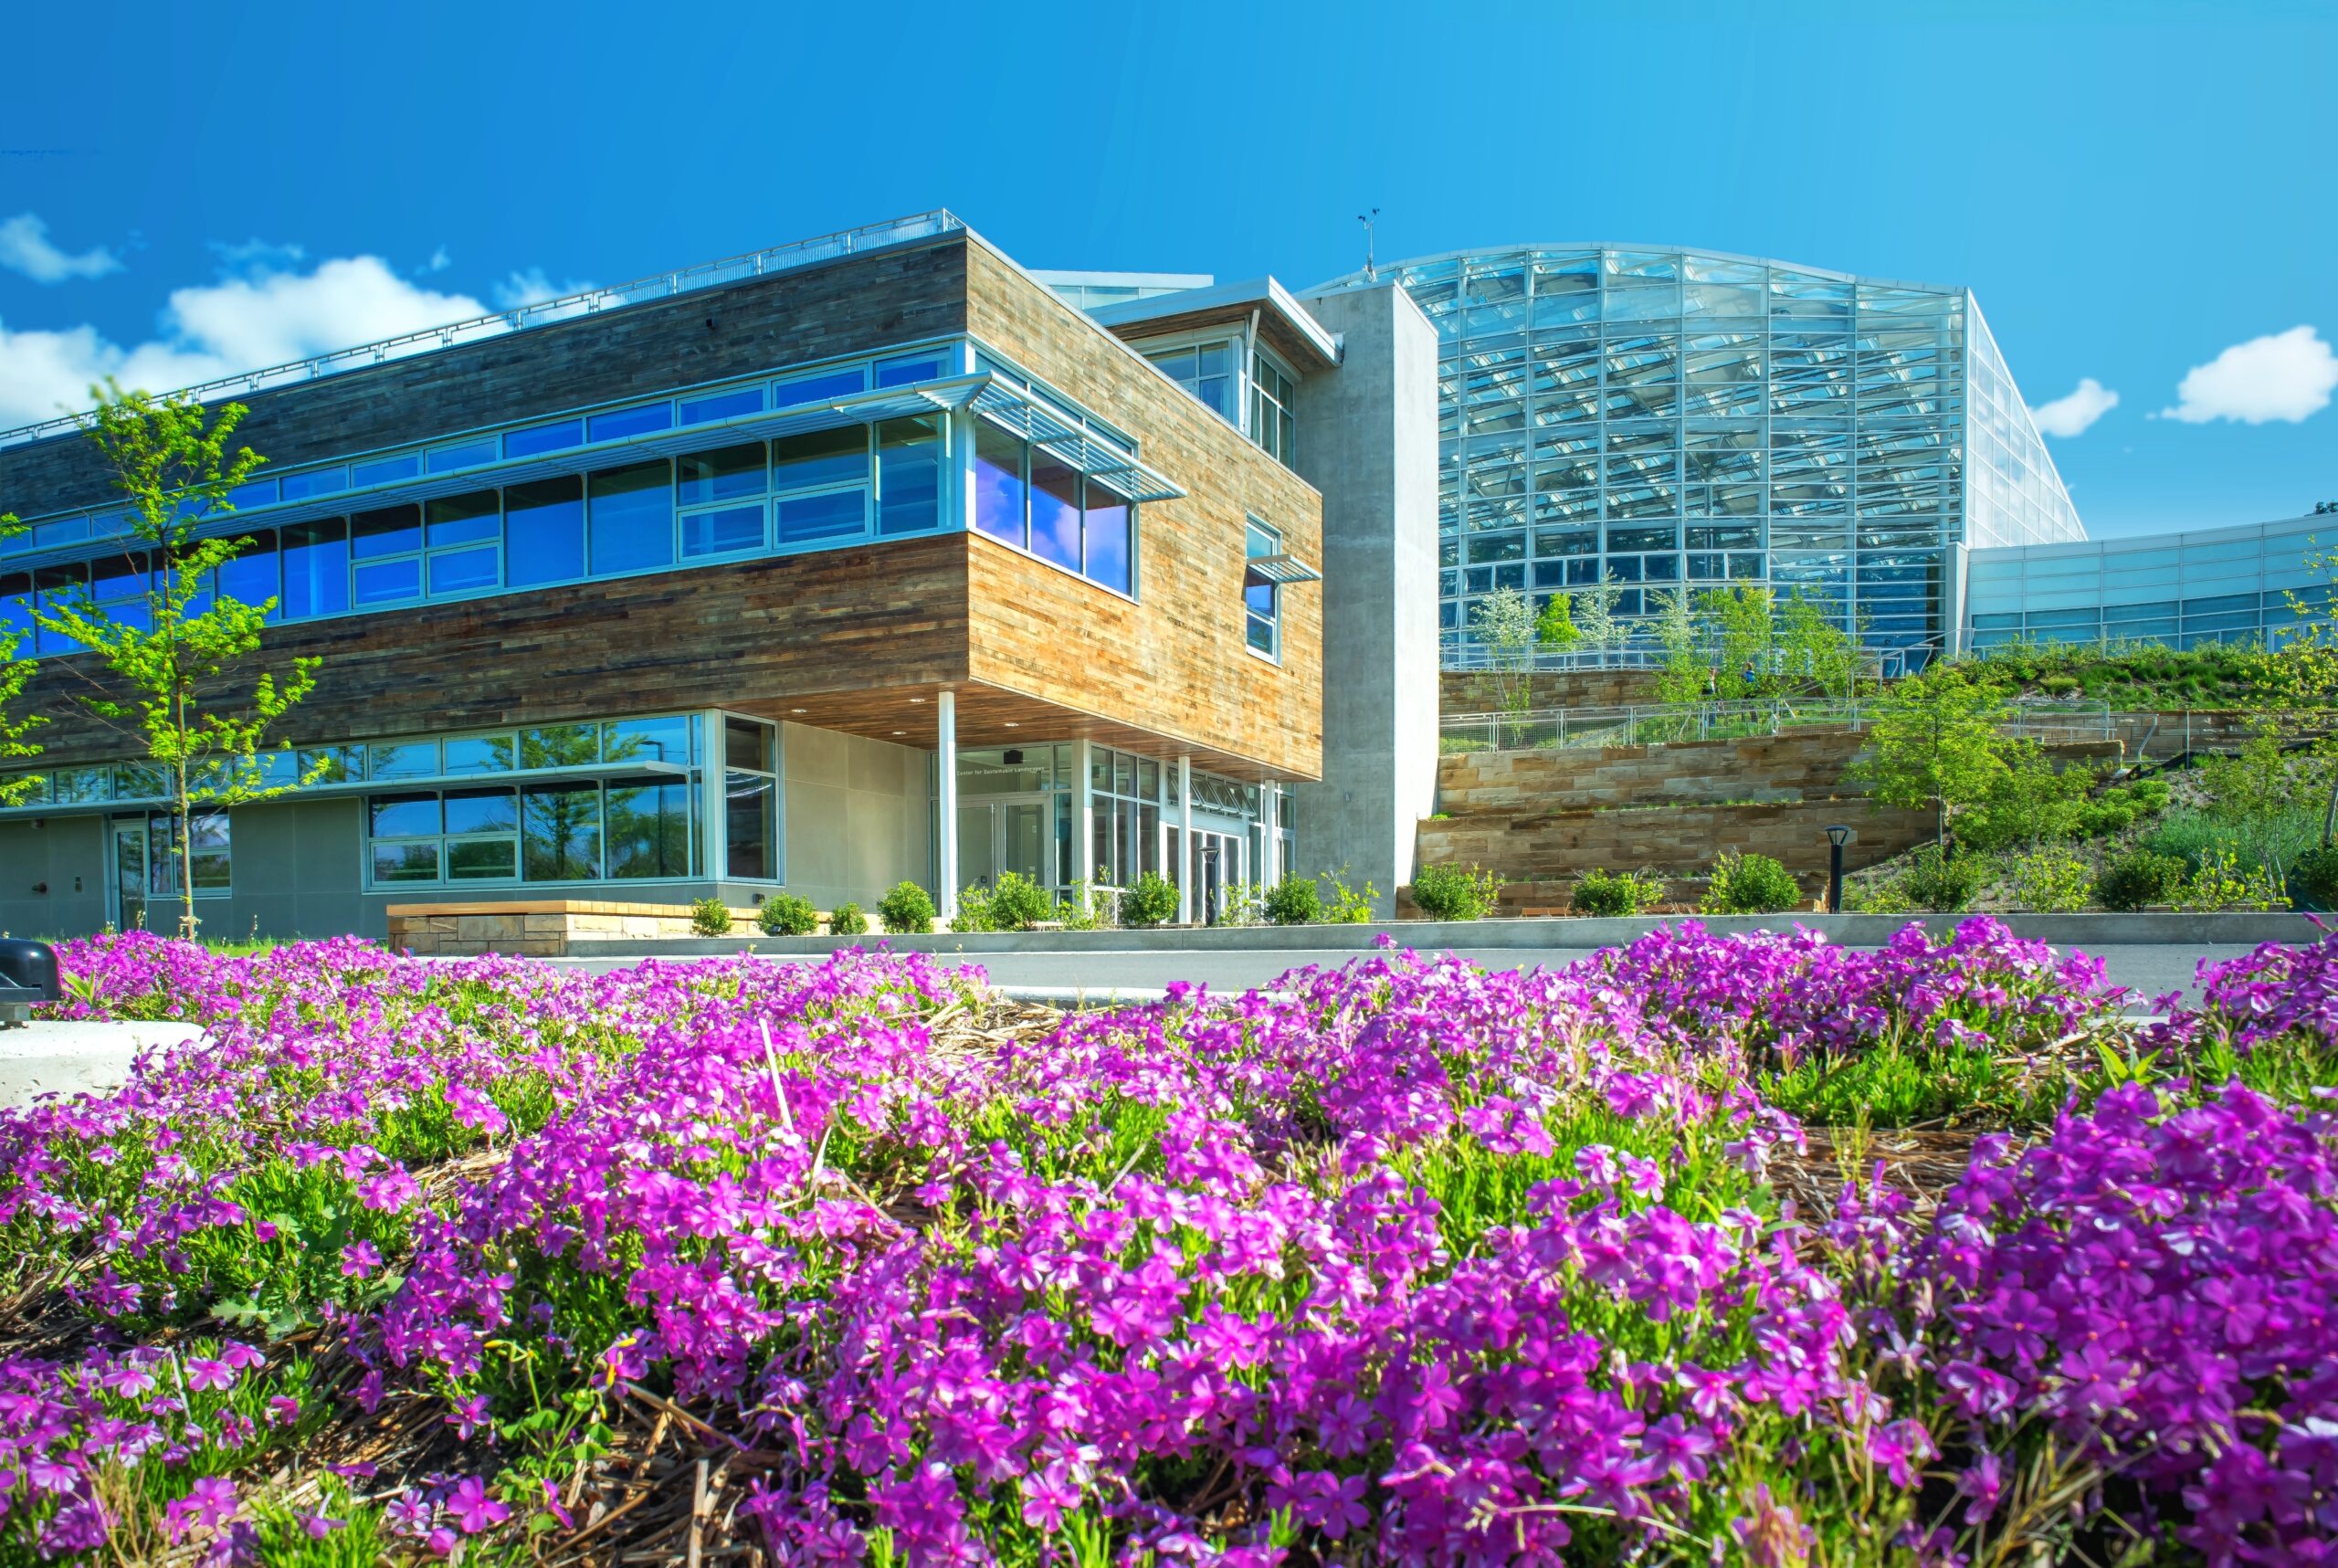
[
  {"x": 1943, "y": 882},
  {"x": 1750, "y": 885},
  {"x": 710, "y": 917},
  {"x": 1450, "y": 893},
  {"x": 1743, "y": 618},
  {"x": 1152, "y": 902},
  {"x": 1682, "y": 676},
  {"x": 2222, "y": 881},
  {"x": 2273, "y": 841},
  {"x": 787, "y": 914},
  {"x": 973, "y": 912},
  {"x": 1594, "y": 614},
  {"x": 1554, "y": 628},
  {"x": 2031, "y": 802},
  {"x": 1897, "y": 1085},
  {"x": 1294, "y": 901},
  {"x": 1604, "y": 892},
  {"x": 907, "y": 911},
  {"x": 845, "y": 920},
  {"x": 1017, "y": 903},
  {"x": 2052, "y": 880},
  {"x": 2137, "y": 879},
  {"x": 2313, "y": 877},
  {"x": 14, "y": 673},
  {"x": 1936, "y": 743},
  {"x": 1814, "y": 650},
  {"x": 1505, "y": 624},
  {"x": 175, "y": 670},
  {"x": 2127, "y": 676},
  {"x": 1083, "y": 911},
  {"x": 1888, "y": 896},
  {"x": 1348, "y": 907}
]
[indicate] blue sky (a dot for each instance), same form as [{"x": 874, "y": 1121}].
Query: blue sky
[{"x": 2136, "y": 193}]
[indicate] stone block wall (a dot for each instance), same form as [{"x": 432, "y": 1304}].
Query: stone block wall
[
  {"x": 1800, "y": 764},
  {"x": 1471, "y": 691},
  {"x": 536, "y": 928}
]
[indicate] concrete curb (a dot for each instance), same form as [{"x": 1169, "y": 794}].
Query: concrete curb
[{"x": 1539, "y": 934}]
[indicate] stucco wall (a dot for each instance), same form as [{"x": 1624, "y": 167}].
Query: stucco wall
[{"x": 857, "y": 815}]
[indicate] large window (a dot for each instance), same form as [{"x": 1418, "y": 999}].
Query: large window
[
  {"x": 1205, "y": 370},
  {"x": 1037, "y": 502},
  {"x": 1273, "y": 424},
  {"x": 750, "y": 799},
  {"x": 213, "y": 862},
  {"x": 1261, "y": 599}
]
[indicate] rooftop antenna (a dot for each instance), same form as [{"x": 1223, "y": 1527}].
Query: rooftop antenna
[{"x": 1371, "y": 273}]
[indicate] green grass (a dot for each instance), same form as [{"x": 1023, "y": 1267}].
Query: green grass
[{"x": 1892, "y": 1086}]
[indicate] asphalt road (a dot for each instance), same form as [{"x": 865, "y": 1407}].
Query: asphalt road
[{"x": 2149, "y": 970}]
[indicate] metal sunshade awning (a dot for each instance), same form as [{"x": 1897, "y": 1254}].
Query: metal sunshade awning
[
  {"x": 1282, "y": 569},
  {"x": 1022, "y": 413}
]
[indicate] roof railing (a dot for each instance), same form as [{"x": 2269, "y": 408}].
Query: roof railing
[{"x": 544, "y": 313}]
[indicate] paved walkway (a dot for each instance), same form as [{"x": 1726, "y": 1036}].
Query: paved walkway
[{"x": 50, "y": 1057}]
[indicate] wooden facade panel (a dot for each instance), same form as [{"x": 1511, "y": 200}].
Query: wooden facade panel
[
  {"x": 1175, "y": 663},
  {"x": 744, "y": 634}
]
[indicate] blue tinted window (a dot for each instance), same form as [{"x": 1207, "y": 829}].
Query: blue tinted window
[
  {"x": 17, "y": 610},
  {"x": 998, "y": 482},
  {"x": 463, "y": 570},
  {"x": 901, "y": 372},
  {"x": 254, "y": 492},
  {"x": 482, "y": 810},
  {"x": 1055, "y": 512},
  {"x": 463, "y": 520},
  {"x": 722, "y": 406},
  {"x": 839, "y": 514},
  {"x": 316, "y": 568},
  {"x": 720, "y": 532},
  {"x": 251, "y": 577},
  {"x": 1105, "y": 527},
  {"x": 909, "y": 474},
  {"x": 463, "y": 455},
  {"x": 392, "y": 530},
  {"x": 544, "y": 438},
  {"x": 727, "y": 473},
  {"x": 387, "y": 581},
  {"x": 632, "y": 421},
  {"x": 63, "y": 531},
  {"x": 386, "y": 470},
  {"x": 404, "y": 816},
  {"x": 543, "y": 532},
  {"x": 820, "y": 458},
  {"x": 316, "y": 482},
  {"x": 631, "y": 518},
  {"x": 824, "y": 387}
]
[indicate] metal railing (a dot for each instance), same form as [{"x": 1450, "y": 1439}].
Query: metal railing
[
  {"x": 663, "y": 285},
  {"x": 1667, "y": 723}
]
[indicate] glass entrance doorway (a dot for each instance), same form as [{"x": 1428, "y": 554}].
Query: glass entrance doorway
[
  {"x": 999, "y": 835},
  {"x": 129, "y": 875},
  {"x": 1216, "y": 868}
]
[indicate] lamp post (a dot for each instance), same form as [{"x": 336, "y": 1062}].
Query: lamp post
[{"x": 1836, "y": 837}]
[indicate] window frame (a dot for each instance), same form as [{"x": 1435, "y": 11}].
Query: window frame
[{"x": 1257, "y": 530}]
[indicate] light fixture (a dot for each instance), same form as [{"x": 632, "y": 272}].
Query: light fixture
[
  {"x": 917, "y": 698},
  {"x": 900, "y": 731},
  {"x": 1838, "y": 834},
  {"x": 799, "y": 709},
  {"x": 1014, "y": 723}
]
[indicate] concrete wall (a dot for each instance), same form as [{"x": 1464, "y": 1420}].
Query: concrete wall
[
  {"x": 858, "y": 815},
  {"x": 1367, "y": 439}
]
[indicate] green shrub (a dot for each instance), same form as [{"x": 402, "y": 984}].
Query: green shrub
[
  {"x": 1604, "y": 893},
  {"x": 1888, "y": 897},
  {"x": 787, "y": 914},
  {"x": 2224, "y": 882},
  {"x": 1750, "y": 885},
  {"x": 1294, "y": 901},
  {"x": 2137, "y": 878},
  {"x": 906, "y": 910},
  {"x": 1083, "y": 911},
  {"x": 1152, "y": 902},
  {"x": 710, "y": 917},
  {"x": 973, "y": 911},
  {"x": 2313, "y": 878},
  {"x": 1450, "y": 893},
  {"x": 2059, "y": 685},
  {"x": 1017, "y": 903},
  {"x": 1945, "y": 883},
  {"x": 845, "y": 920},
  {"x": 1348, "y": 907},
  {"x": 2052, "y": 880}
]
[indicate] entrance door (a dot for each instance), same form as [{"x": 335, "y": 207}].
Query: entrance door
[
  {"x": 1213, "y": 870},
  {"x": 996, "y": 837},
  {"x": 129, "y": 874}
]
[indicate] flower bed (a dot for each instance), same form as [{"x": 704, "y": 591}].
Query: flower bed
[{"x": 1404, "y": 1262}]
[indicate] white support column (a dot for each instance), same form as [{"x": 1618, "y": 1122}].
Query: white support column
[
  {"x": 946, "y": 747},
  {"x": 1083, "y": 818},
  {"x": 1269, "y": 836},
  {"x": 1183, "y": 873}
]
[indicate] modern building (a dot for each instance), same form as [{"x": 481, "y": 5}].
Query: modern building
[
  {"x": 1662, "y": 418},
  {"x": 861, "y": 560}
]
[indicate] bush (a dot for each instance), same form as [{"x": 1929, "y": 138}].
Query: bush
[
  {"x": 2137, "y": 878},
  {"x": 1084, "y": 909},
  {"x": 1349, "y": 907},
  {"x": 1449, "y": 893},
  {"x": 1750, "y": 885},
  {"x": 1294, "y": 901},
  {"x": 1017, "y": 903},
  {"x": 2059, "y": 685},
  {"x": 1604, "y": 893},
  {"x": 906, "y": 910},
  {"x": 2052, "y": 881},
  {"x": 1937, "y": 881},
  {"x": 1888, "y": 897},
  {"x": 710, "y": 917},
  {"x": 845, "y": 920},
  {"x": 974, "y": 911},
  {"x": 787, "y": 914},
  {"x": 2224, "y": 882},
  {"x": 2313, "y": 878},
  {"x": 1152, "y": 902}
]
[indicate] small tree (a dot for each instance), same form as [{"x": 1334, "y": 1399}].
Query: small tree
[
  {"x": 178, "y": 661},
  {"x": 15, "y": 671},
  {"x": 1505, "y": 627},
  {"x": 1555, "y": 629},
  {"x": 1814, "y": 649},
  {"x": 1683, "y": 678},
  {"x": 2302, "y": 673},
  {"x": 1745, "y": 630},
  {"x": 1594, "y": 615},
  {"x": 1937, "y": 742}
]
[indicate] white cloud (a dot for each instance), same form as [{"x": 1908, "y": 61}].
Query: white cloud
[
  {"x": 259, "y": 257},
  {"x": 248, "y": 322},
  {"x": 25, "y": 247},
  {"x": 2071, "y": 415},
  {"x": 532, "y": 288},
  {"x": 440, "y": 260},
  {"x": 2284, "y": 375}
]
